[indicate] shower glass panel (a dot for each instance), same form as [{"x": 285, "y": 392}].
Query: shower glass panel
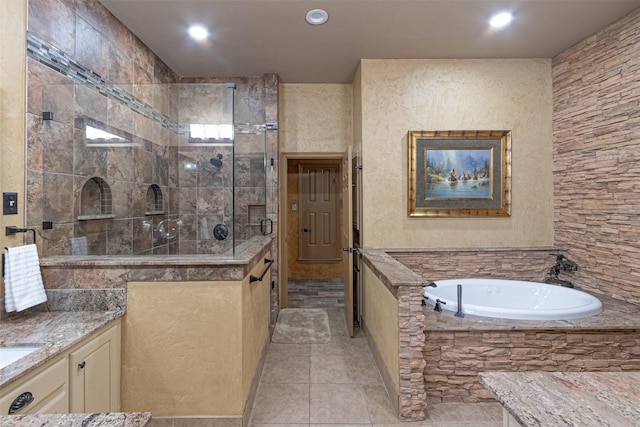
[
  {"x": 250, "y": 173},
  {"x": 145, "y": 170},
  {"x": 205, "y": 167}
]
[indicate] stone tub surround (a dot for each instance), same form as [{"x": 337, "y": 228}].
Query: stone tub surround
[
  {"x": 586, "y": 399},
  {"x": 129, "y": 419},
  {"x": 108, "y": 272},
  {"x": 406, "y": 286},
  {"x": 53, "y": 332},
  {"x": 455, "y": 350}
]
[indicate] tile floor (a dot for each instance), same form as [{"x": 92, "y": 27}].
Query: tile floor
[
  {"x": 335, "y": 384},
  {"x": 315, "y": 293},
  {"x": 338, "y": 383}
]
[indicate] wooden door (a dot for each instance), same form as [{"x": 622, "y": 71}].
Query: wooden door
[
  {"x": 318, "y": 198},
  {"x": 347, "y": 238}
]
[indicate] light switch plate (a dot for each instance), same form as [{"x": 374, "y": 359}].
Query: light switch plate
[{"x": 9, "y": 203}]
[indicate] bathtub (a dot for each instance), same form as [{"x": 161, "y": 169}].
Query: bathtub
[{"x": 512, "y": 299}]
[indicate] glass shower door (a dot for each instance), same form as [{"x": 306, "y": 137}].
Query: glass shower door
[{"x": 249, "y": 173}]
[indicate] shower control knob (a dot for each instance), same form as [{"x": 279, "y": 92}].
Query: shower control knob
[{"x": 306, "y": 230}]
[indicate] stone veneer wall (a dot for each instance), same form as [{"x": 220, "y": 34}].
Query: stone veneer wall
[
  {"x": 596, "y": 132},
  {"x": 439, "y": 264},
  {"x": 411, "y": 339},
  {"x": 455, "y": 358}
]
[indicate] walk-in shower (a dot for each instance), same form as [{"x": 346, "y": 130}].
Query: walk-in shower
[{"x": 154, "y": 169}]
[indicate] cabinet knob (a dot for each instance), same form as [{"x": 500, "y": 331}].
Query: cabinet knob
[{"x": 81, "y": 365}]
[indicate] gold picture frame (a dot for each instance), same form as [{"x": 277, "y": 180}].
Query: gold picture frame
[{"x": 459, "y": 173}]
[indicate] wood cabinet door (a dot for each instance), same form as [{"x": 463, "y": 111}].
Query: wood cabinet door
[
  {"x": 97, "y": 380},
  {"x": 94, "y": 374}
]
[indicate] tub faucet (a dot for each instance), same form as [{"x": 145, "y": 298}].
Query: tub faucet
[
  {"x": 562, "y": 264},
  {"x": 432, "y": 284},
  {"x": 438, "y": 307}
]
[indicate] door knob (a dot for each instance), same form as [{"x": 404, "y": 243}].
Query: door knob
[{"x": 306, "y": 230}]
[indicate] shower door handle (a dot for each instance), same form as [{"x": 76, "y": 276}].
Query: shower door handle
[{"x": 263, "y": 226}]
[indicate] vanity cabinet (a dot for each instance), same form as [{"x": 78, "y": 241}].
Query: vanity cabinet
[
  {"x": 47, "y": 387},
  {"x": 94, "y": 373},
  {"x": 84, "y": 378}
]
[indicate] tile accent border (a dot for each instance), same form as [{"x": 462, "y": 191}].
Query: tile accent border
[
  {"x": 47, "y": 54},
  {"x": 52, "y": 57}
]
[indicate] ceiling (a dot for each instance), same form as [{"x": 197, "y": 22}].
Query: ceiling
[{"x": 253, "y": 37}]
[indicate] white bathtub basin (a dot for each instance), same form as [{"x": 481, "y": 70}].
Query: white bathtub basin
[
  {"x": 8, "y": 355},
  {"x": 514, "y": 299}
]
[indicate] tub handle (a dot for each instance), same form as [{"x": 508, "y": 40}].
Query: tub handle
[
  {"x": 268, "y": 263},
  {"x": 438, "y": 307}
]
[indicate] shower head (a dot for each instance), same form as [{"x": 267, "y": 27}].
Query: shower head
[{"x": 216, "y": 161}]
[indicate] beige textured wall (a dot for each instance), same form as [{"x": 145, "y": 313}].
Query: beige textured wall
[
  {"x": 380, "y": 317},
  {"x": 183, "y": 359},
  {"x": 402, "y": 95},
  {"x": 255, "y": 327},
  {"x": 13, "y": 26},
  {"x": 315, "y": 117}
]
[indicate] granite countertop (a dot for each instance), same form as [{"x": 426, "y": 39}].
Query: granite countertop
[
  {"x": 52, "y": 332},
  {"x": 130, "y": 419},
  {"x": 582, "y": 399},
  {"x": 244, "y": 254}
]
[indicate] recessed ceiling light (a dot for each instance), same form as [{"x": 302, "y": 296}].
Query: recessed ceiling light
[
  {"x": 317, "y": 16},
  {"x": 501, "y": 20},
  {"x": 198, "y": 32}
]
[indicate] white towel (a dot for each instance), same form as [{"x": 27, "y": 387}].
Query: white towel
[{"x": 23, "y": 287}]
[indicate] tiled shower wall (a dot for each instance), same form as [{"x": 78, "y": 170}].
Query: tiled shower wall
[
  {"x": 85, "y": 63},
  {"x": 596, "y": 131}
]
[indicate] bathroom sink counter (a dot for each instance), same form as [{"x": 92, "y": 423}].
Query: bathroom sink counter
[
  {"x": 129, "y": 419},
  {"x": 567, "y": 398},
  {"x": 53, "y": 332}
]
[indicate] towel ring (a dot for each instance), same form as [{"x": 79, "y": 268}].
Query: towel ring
[{"x": 10, "y": 230}]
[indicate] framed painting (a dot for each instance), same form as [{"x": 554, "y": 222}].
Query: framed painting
[{"x": 459, "y": 173}]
